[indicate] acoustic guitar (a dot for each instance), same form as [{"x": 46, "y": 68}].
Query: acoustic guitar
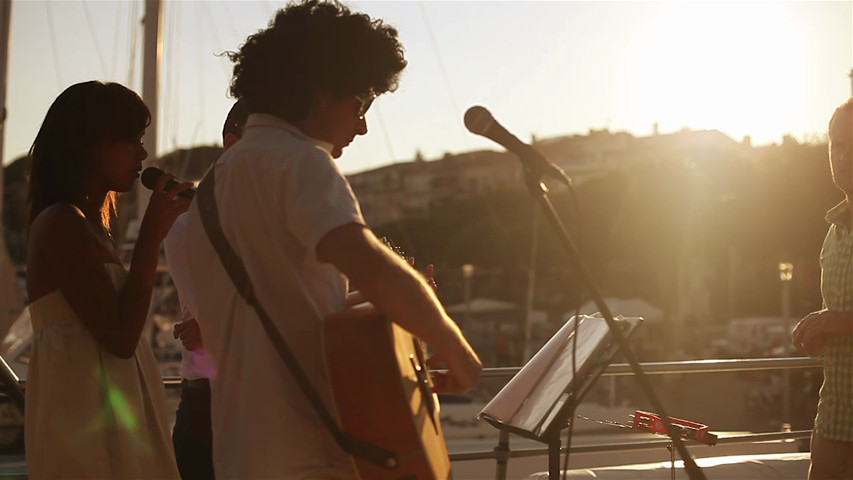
[{"x": 383, "y": 394}]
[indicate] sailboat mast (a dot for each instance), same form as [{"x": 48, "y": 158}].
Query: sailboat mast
[
  {"x": 5, "y": 20},
  {"x": 11, "y": 299},
  {"x": 152, "y": 50}
]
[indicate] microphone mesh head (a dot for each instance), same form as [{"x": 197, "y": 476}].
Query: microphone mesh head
[
  {"x": 478, "y": 120},
  {"x": 149, "y": 177}
]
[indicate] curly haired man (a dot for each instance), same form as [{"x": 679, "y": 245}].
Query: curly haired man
[{"x": 292, "y": 219}]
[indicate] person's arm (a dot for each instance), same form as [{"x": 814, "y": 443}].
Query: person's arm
[
  {"x": 401, "y": 293},
  {"x": 817, "y": 327},
  {"x": 175, "y": 246},
  {"x": 115, "y": 319}
]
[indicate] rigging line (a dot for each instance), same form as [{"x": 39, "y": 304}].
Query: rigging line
[
  {"x": 228, "y": 15},
  {"x": 134, "y": 22},
  {"x": 401, "y": 227},
  {"x": 182, "y": 160},
  {"x": 216, "y": 40},
  {"x": 271, "y": 9},
  {"x": 92, "y": 34},
  {"x": 385, "y": 135},
  {"x": 170, "y": 125},
  {"x": 200, "y": 70},
  {"x": 434, "y": 44},
  {"x": 116, "y": 30},
  {"x": 54, "y": 49},
  {"x": 457, "y": 112}
]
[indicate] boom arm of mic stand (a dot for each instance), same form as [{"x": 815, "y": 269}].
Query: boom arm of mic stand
[{"x": 538, "y": 190}]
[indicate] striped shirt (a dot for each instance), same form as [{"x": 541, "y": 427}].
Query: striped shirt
[{"x": 835, "y": 408}]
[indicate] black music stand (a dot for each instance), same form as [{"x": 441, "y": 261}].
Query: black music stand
[{"x": 539, "y": 401}]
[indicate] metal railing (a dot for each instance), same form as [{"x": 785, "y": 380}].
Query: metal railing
[
  {"x": 629, "y": 446},
  {"x": 658, "y": 368},
  {"x": 691, "y": 366},
  {"x": 652, "y": 368}
]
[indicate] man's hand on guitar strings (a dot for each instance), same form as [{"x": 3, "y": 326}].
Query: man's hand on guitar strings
[
  {"x": 355, "y": 298},
  {"x": 463, "y": 370},
  {"x": 463, "y": 364},
  {"x": 439, "y": 381}
]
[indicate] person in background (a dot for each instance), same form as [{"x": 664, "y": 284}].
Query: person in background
[
  {"x": 95, "y": 403},
  {"x": 192, "y": 435},
  {"x": 828, "y": 333},
  {"x": 293, "y": 221}
]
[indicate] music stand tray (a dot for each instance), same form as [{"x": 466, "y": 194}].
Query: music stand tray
[{"x": 539, "y": 400}]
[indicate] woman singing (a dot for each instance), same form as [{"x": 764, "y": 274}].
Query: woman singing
[{"x": 95, "y": 403}]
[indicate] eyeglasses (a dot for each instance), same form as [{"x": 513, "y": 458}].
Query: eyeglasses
[{"x": 366, "y": 101}]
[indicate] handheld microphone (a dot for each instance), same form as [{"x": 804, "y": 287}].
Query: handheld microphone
[
  {"x": 479, "y": 121},
  {"x": 150, "y": 176}
]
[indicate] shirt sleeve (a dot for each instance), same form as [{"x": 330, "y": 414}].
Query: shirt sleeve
[
  {"x": 317, "y": 198},
  {"x": 175, "y": 245}
]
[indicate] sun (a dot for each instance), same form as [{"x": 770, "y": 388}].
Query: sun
[{"x": 730, "y": 66}]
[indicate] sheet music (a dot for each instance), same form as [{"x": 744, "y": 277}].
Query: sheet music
[{"x": 531, "y": 393}]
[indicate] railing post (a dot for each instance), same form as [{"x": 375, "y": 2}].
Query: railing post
[
  {"x": 611, "y": 396},
  {"x": 786, "y": 401},
  {"x": 502, "y": 455},
  {"x": 555, "y": 444}
]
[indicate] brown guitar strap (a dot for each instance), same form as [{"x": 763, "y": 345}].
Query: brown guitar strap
[{"x": 206, "y": 200}]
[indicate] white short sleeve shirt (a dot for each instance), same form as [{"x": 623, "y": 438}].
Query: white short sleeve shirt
[
  {"x": 279, "y": 193},
  {"x": 195, "y": 364}
]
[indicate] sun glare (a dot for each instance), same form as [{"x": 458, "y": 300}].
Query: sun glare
[{"x": 730, "y": 66}]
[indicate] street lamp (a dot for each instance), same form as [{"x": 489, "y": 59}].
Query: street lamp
[
  {"x": 467, "y": 273},
  {"x": 786, "y": 271},
  {"x": 786, "y": 274}
]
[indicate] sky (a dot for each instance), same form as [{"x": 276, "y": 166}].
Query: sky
[{"x": 759, "y": 69}]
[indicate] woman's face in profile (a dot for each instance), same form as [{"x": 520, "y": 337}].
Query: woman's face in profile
[{"x": 119, "y": 163}]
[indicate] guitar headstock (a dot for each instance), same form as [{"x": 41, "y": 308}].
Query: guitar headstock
[
  {"x": 394, "y": 248},
  {"x": 428, "y": 275}
]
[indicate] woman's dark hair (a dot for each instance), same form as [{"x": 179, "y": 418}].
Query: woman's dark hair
[
  {"x": 79, "y": 119},
  {"x": 315, "y": 46}
]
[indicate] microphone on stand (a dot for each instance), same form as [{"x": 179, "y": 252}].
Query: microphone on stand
[
  {"x": 479, "y": 121},
  {"x": 150, "y": 176}
]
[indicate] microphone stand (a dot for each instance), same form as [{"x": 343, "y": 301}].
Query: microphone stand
[{"x": 535, "y": 170}]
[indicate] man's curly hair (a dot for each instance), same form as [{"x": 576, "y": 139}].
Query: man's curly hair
[{"x": 315, "y": 46}]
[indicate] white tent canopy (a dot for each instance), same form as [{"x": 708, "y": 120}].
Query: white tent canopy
[
  {"x": 482, "y": 305},
  {"x": 627, "y": 307}
]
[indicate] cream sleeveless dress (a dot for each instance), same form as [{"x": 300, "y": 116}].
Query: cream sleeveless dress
[{"x": 90, "y": 414}]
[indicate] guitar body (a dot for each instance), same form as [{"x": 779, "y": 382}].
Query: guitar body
[{"x": 383, "y": 394}]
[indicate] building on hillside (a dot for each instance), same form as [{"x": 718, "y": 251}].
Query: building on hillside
[{"x": 413, "y": 188}]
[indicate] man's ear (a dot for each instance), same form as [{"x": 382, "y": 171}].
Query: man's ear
[
  {"x": 229, "y": 139},
  {"x": 323, "y": 99}
]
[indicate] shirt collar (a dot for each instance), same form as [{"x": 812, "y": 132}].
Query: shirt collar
[
  {"x": 840, "y": 214},
  {"x": 267, "y": 120}
]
